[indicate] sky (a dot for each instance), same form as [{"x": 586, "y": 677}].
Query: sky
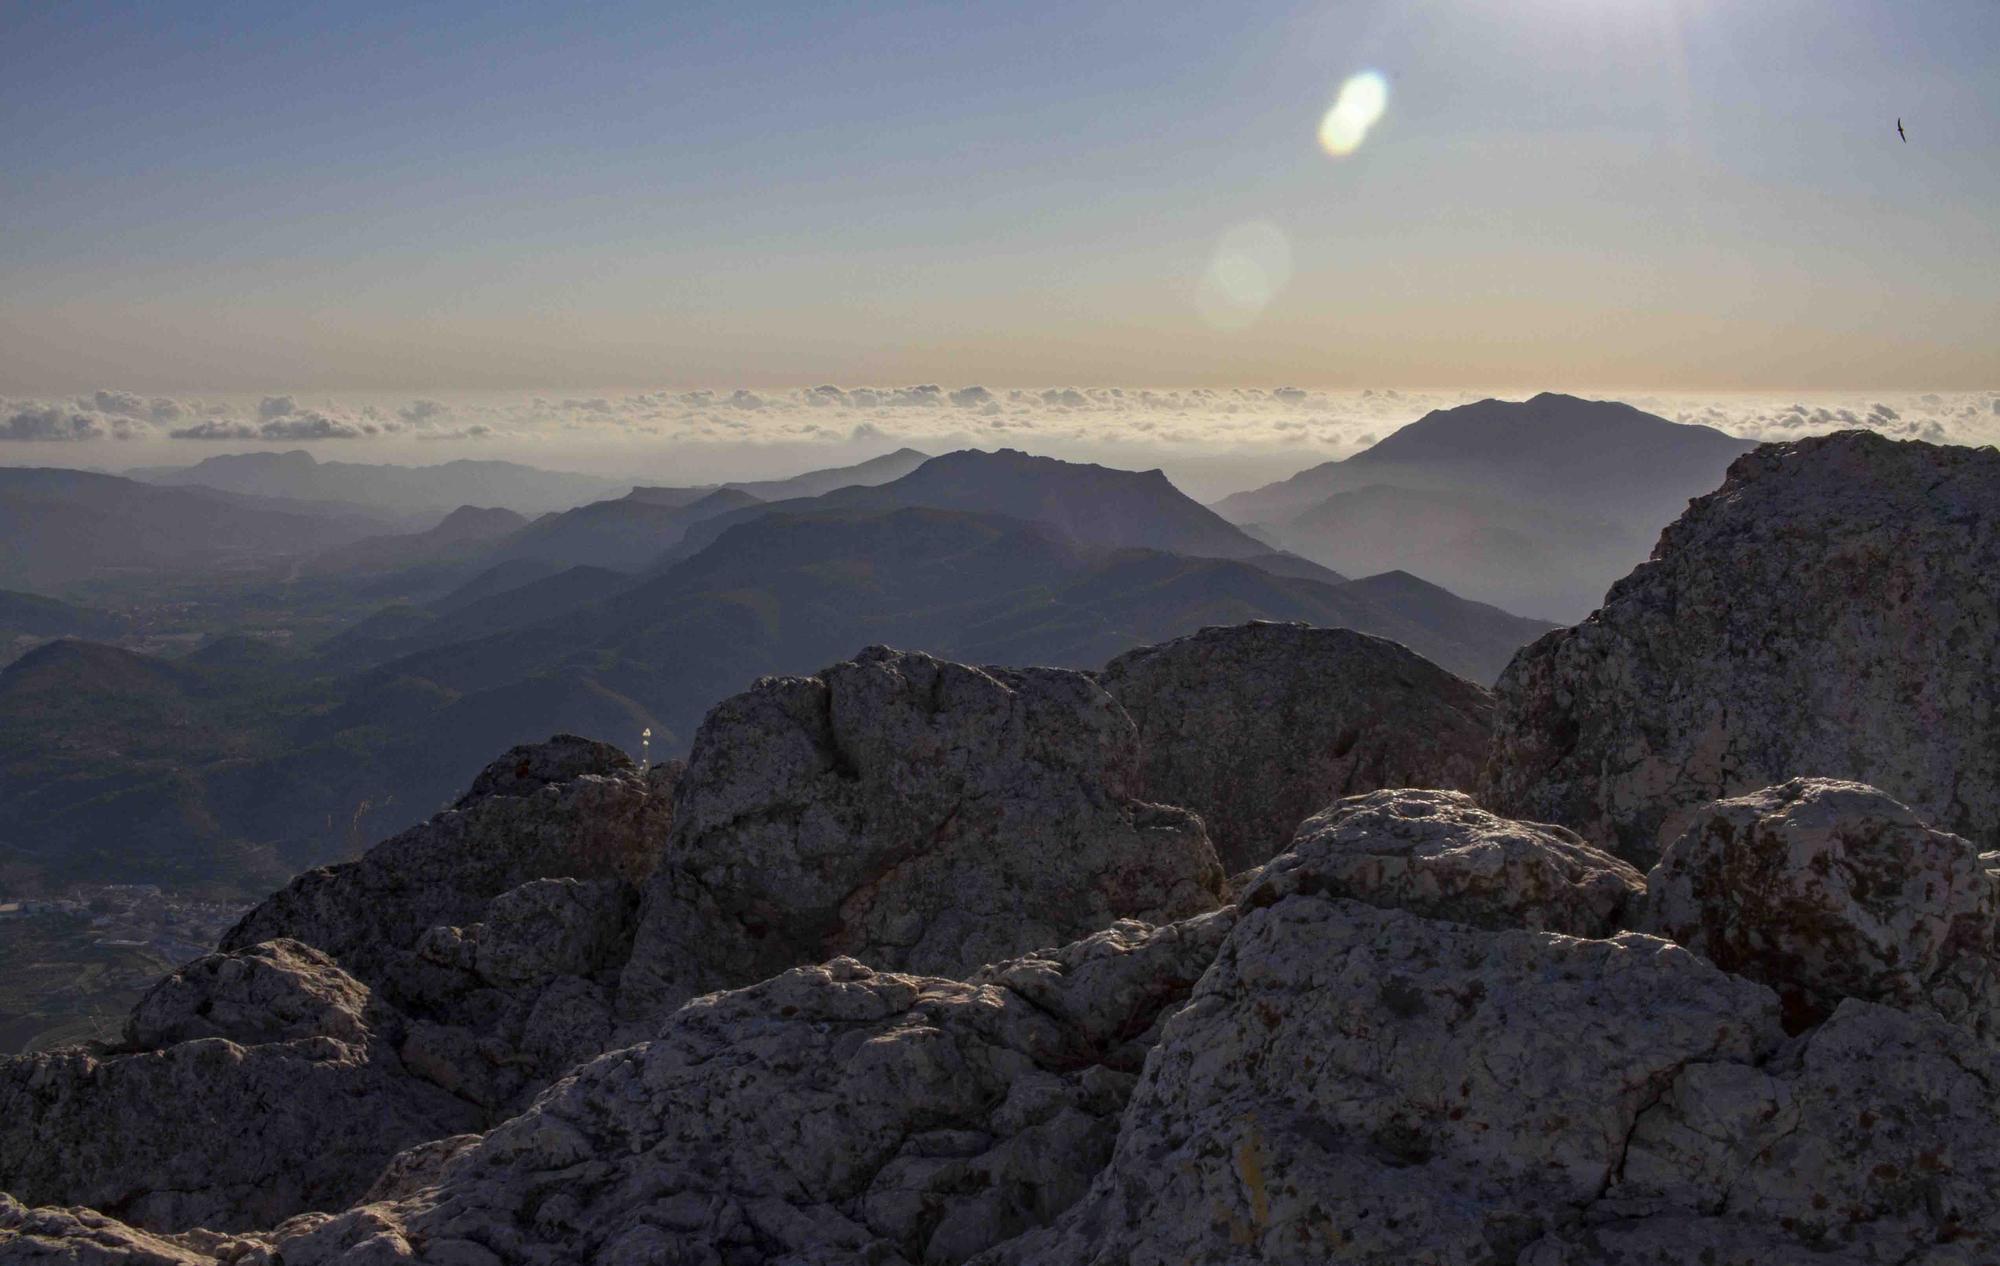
[{"x": 362, "y": 206}]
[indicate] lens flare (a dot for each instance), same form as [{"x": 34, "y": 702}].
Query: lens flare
[
  {"x": 1251, "y": 264},
  {"x": 1358, "y": 108}
]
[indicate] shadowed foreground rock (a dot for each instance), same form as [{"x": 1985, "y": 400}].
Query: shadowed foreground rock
[
  {"x": 1258, "y": 726},
  {"x": 256, "y": 1084},
  {"x": 1832, "y": 611},
  {"x": 911, "y": 813},
  {"x": 1323, "y": 1077}
]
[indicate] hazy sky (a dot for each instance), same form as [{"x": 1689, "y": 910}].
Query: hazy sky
[{"x": 1671, "y": 195}]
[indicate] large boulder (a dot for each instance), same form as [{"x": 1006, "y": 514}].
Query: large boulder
[
  {"x": 1349, "y": 1083},
  {"x": 1438, "y": 854},
  {"x": 1829, "y": 890},
  {"x": 1833, "y": 610},
  {"x": 1258, "y": 726},
  {"x": 264, "y": 1082},
  {"x": 911, "y": 813}
]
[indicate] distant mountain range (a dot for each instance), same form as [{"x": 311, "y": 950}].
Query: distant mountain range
[
  {"x": 401, "y": 489},
  {"x": 63, "y": 528},
  {"x": 1536, "y": 506},
  {"x": 876, "y": 470},
  {"x": 243, "y": 762}
]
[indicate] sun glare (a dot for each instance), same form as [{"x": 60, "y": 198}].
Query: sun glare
[{"x": 1357, "y": 109}]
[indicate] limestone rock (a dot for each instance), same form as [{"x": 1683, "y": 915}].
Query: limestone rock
[
  {"x": 529, "y": 767},
  {"x": 84, "y": 1237},
  {"x": 1828, "y": 890},
  {"x": 1876, "y": 1136},
  {"x": 511, "y": 830},
  {"x": 912, "y": 813},
  {"x": 1833, "y": 610},
  {"x": 498, "y": 928},
  {"x": 831, "y": 1114},
  {"x": 272, "y": 992},
  {"x": 207, "y": 1132},
  {"x": 1356, "y": 1084},
  {"x": 1258, "y": 726},
  {"x": 1438, "y": 854}
]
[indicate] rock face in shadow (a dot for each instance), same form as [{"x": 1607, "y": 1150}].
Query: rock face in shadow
[
  {"x": 498, "y": 928},
  {"x": 1829, "y": 890},
  {"x": 831, "y": 1114},
  {"x": 1833, "y": 610},
  {"x": 911, "y": 813},
  {"x": 257, "y": 1084},
  {"x": 1258, "y": 726}
]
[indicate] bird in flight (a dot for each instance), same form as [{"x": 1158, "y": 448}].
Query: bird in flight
[{"x": 1901, "y": 133}]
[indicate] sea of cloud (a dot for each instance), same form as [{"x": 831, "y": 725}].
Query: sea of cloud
[{"x": 1210, "y": 440}]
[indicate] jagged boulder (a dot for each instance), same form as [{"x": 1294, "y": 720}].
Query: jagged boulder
[
  {"x": 1829, "y": 890},
  {"x": 208, "y": 1132},
  {"x": 1833, "y": 610},
  {"x": 522, "y": 821},
  {"x": 1438, "y": 854},
  {"x": 914, "y": 814},
  {"x": 1258, "y": 726},
  {"x": 499, "y": 927}
]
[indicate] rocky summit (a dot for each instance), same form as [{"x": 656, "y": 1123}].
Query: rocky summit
[
  {"x": 1832, "y": 610},
  {"x": 917, "y": 963}
]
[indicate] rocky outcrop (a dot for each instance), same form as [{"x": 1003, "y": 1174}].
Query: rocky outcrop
[
  {"x": 831, "y": 1114},
  {"x": 1258, "y": 726},
  {"x": 496, "y": 929},
  {"x": 1438, "y": 854},
  {"x": 1830, "y": 890},
  {"x": 261, "y": 1083},
  {"x": 566, "y": 808},
  {"x": 1383, "y": 1055},
  {"x": 914, "y": 814},
  {"x": 1833, "y": 610}
]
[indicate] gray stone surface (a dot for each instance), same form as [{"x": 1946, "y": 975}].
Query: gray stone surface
[
  {"x": 1256, "y": 727},
  {"x": 1829, "y": 890},
  {"x": 914, "y": 814},
  {"x": 1832, "y": 611},
  {"x": 1438, "y": 854},
  {"x": 209, "y": 1132},
  {"x": 830, "y": 1114},
  {"x": 1356, "y": 1084}
]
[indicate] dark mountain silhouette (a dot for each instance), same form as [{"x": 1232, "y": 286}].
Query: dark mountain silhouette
[
  {"x": 626, "y": 535},
  {"x": 464, "y": 533},
  {"x": 298, "y": 474},
  {"x": 60, "y": 528},
  {"x": 1093, "y": 505},
  {"x": 33, "y": 615},
  {"x": 1536, "y": 506}
]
